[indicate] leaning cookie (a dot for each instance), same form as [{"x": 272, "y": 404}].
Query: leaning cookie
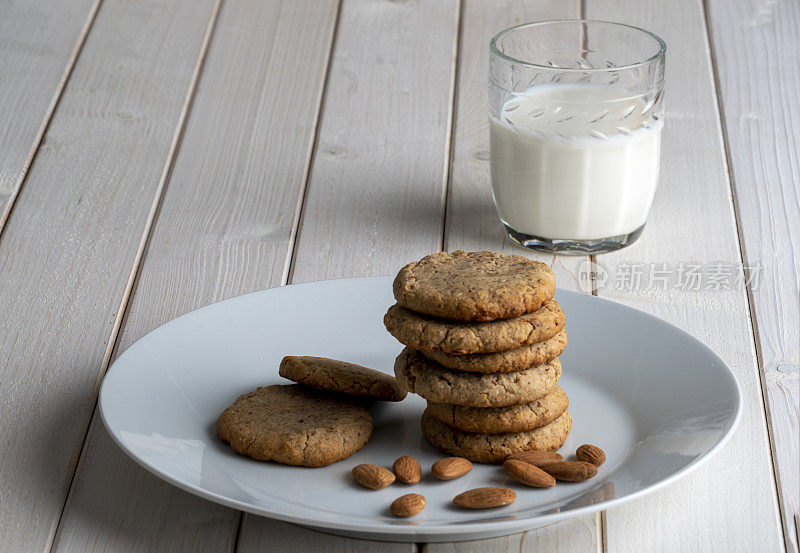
[
  {"x": 424, "y": 377},
  {"x": 428, "y": 333},
  {"x": 474, "y": 286},
  {"x": 342, "y": 377},
  {"x": 494, "y": 448},
  {"x": 503, "y": 361},
  {"x": 498, "y": 420},
  {"x": 294, "y": 425}
]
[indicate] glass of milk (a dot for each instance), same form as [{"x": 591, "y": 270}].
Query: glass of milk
[{"x": 575, "y": 116}]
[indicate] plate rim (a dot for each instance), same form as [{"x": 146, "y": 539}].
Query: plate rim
[{"x": 469, "y": 530}]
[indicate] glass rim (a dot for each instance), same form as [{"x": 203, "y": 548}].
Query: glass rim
[{"x": 662, "y": 46}]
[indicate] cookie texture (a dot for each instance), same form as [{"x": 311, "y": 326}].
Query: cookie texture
[
  {"x": 342, "y": 377},
  {"x": 494, "y": 448},
  {"x": 294, "y": 425},
  {"x": 498, "y": 420},
  {"x": 422, "y": 376},
  {"x": 457, "y": 338},
  {"x": 503, "y": 361},
  {"x": 474, "y": 286}
]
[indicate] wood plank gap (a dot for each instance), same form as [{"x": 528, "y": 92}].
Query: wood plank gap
[
  {"x": 747, "y": 274},
  {"x": 48, "y": 116},
  {"x": 602, "y": 541},
  {"x": 121, "y": 311},
  {"x": 600, "y": 516},
  {"x": 451, "y": 118},
  {"x": 237, "y": 536},
  {"x": 297, "y": 223},
  {"x": 52, "y": 540},
  {"x": 797, "y": 526},
  {"x": 592, "y": 274}
]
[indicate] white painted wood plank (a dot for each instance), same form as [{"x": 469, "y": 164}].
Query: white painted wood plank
[
  {"x": 755, "y": 48},
  {"x": 39, "y": 42},
  {"x": 271, "y": 536},
  {"x": 568, "y": 536},
  {"x": 472, "y": 222},
  {"x": 376, "y": 195},
  {"x": 224, "y": 228},
  {"x": 67, "y": 249},
  {"x": 729, "y": 504}
]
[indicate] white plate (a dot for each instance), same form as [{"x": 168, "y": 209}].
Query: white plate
[{"x": 657, "y": 400}]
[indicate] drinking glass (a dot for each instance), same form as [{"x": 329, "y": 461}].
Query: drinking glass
[{"x": 576, "y": 109}]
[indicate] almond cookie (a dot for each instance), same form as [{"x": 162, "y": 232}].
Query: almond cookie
[
  {"x": 503, "y": 361},
  {"x": 494, "y": 448},
  {"x": 433, "y": 382},
  {"x": 474, "y": 286},
  {"x": 294, "y": 425},
  {"x": 497, "y": 420},
  {"x": 431, "y": 334},
  {"x": 342, "y": 377}
]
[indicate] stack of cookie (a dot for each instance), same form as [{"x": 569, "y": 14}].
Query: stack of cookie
[{"x": 483, "y": 336}]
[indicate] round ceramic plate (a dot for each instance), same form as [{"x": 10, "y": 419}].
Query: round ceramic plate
[{"x": 657, "y": 400}]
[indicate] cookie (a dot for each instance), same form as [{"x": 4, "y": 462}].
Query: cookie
[
  {"x": 431, "y": 334},
  {"x": 433, "y": 382},
  {"x": 503, "y": 361},
  {"x": 342, "y": 377},
  {"x": 474, "y": 286},
  {"x": 494, "y": 448},
  {"x": 294, "y": 425},
  {"x": 497, "y": 420}
]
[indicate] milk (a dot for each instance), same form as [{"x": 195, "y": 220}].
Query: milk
[{"x": 575, "y": 162}]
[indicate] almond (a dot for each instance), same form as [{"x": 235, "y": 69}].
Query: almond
[
  {"x": 372, "y": 476},
  {"x": 407, "y": 505},
  {"x": 570, "y": 471},
  {"x": 591, "y": 454},
  {"x": 450, "y": 468},
  {"x": 485, "y": 498},
  {"x": 537, "y": 458},
  {"x": 407, "y": 470},
  {"x": 528, "y": 474}
]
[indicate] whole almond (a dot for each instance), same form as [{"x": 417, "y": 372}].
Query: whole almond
[
  {"x": 537, "y": 458},
  {"x": 570, "y": 471},
  {"x": 591, "y": 454},
  {"x": 528, "y": 474},
  {"x": 450, "y": 468},
  {"x": 407, "y": 470},
  {"x": 407, "y": 505},
  {"x": 485, "y": 498},
  {"x": 372, "y": 476}
]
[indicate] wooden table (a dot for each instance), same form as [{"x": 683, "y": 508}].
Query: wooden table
[{"x": 157, "y": 156}]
